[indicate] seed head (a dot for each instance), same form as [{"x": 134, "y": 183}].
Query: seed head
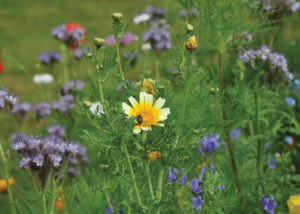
[{"x": 99, "y": 42}]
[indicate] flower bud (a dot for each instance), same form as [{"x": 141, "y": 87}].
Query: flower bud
[
  {"x": 117, "y": 16},
  {"x": 99, "y": 42},
  {"x": 89, "y": 54},
  {"x": 87, "y": 103},
  {"x": 191, "y": 43},
  {"x": 189, "y": 28}
]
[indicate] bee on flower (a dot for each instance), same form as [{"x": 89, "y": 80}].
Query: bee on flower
[
  {"x": 148, "y": 85},
  {"x": 154, "y": 155},
  {"x": 191, "y": 43},
  {"x": 146, "y": 115}
]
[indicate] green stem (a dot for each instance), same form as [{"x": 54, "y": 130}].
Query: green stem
[
  {"x": 261, "y": 145},
  {"x": 132, "y": 175},
  {"x": 186, "y": 90},
  {"x": 44, "y": 207},
  {"x": 271, "y": 38},
  {"x": 157, "y": 73},
  {"x": 102, "y": 98},
  {"x": 6, "y": 177},
  {"x": 108, "y": 200},
  {"x": 146, "y": 164},
  {"x": 53, "y": 196},
  {"x": 119, "y": 62},
  {"x": 225, "y": 126},
  {"x": 65, "y": 62},
  {"x": 159, "y": 185}
]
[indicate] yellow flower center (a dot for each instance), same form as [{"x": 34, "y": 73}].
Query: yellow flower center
[{"x": 145, "y": 114}]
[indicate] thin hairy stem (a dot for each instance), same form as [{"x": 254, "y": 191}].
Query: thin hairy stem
[
  {"x": 228, "y": 140},
  {"x": 108, "y": 200},
  {"x": 43, "y": 203},
  {"x": 53, "y": 196},
  {"x": 159, "y": 185},
  {"x": 6, "y": 177},
  {"x": 146, "y": 165},
  {"x": 132, "y": 175},
  {"x": 119, "y": 62}
]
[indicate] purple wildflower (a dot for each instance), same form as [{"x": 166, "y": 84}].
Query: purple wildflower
[
  {"x": 268, "y": 204},
  {"x": 290, "y": 101},
  {"x": 42, "y": 109},
  {"x": 272, "y": 163},
  {"x": 209, "y": 143},
  {"x": 158, "y": 37},
  {"x": 126, "y": 39},
  {"x": 73, "y": 172},
  {"x": 7, "y": 100},
  {"x": 70, "y": 86},
  {"x": 173, "y": 174},
  {"x": 57, "y": 130},
  {"x": 184, "y": 13},
  {"x": 20, "y": 109},
  {"x": 235, "y": 134},
  {"x": 197, "y": 203},
  {"x": 49, "y": 58},
  {"x": 196, "y": 187}
]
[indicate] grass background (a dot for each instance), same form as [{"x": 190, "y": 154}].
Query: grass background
[{"x": 25, "y": 32}]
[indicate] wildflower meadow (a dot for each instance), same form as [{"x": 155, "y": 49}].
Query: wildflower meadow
[{"x": 155, "y": 107}]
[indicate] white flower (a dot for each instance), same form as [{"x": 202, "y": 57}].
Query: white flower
[
  {"x": 43, "y": 78},
  {"x": 141, "y": 18},
  {"x": 146, "y": 46},
  {"x": 97, "y": 109}
]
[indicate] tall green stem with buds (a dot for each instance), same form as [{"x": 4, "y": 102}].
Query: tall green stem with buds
[
  {"x": 118, "y": 27},
  {"x": 6, "y": 177}
]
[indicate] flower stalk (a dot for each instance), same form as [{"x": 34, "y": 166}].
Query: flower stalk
[
  {"x": 159, "y": 185},
  {"x": 228, "y": 139},
  {"x": 43, "y": 202},
  {"x": 6, "y": 177},
  {"x": 53, "y": 196},
  {"x": 132, "y": 175},
  {"x": 146, "y": 165}
]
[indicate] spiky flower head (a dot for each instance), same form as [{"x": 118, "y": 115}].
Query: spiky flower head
[
  {"x": 145, "y": 114},
  {"x": 191, "y": 44}
]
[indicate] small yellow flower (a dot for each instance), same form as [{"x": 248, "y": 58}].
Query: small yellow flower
[
  {"x": 191, "y": 44},
  {"x": 154, "y": 155},
  {"x": 294, "y": 204},
  {"x": 3, "y": 186},
  {"x": 148, "y": 85},
  {"x": 145, "y": 113}
]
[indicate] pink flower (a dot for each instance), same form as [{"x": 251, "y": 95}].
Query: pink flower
[{"x": 126, "y": 39}]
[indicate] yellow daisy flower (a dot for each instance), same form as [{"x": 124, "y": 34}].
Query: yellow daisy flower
[
  {"x": 145, "y": 113},
  {"x": 294, "y": 204}
]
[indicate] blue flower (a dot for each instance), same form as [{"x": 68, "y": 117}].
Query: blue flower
[
  {"x": 173, "y": 175},
  {"x": 195, "y": 185},
  {"x": 290, "y": 101},
  {"x": 197, "y": 202},
  {"x": 209, "y": 143},
  {"x": 296, "y": 82},
  {"x": 235, "y": 134},
  {"x": 268, "y": 204},
  {"x": 288, "y": 140},
  {"x": 221, "y": 187},
  {"x": 272, "y": 163}
]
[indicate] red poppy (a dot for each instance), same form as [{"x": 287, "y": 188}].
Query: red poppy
[
  {"x": 71, "y": 27},
  {"x": 1, "y": 67}
]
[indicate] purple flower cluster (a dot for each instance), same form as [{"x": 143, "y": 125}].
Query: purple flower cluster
[
  {"x": 184, "y": 13},
  {"x": 245, "y": 35},
  {"x": 159, "y": 38},
  {"x": 126, "y": 39},
  {"x": 65, "y": 103},
  {"x": 42, "y": 109},
  {"x": 155, "y": 13},
  {"x": 268, "y": 204},
  {"x": 280, "y": 5},
  {"x": 209, "y": 143},
  {"x": 42, "y": 155},
  {"x": 272, "y": 163},
  {"x": 70, "y": 86},
  {"x": 49, "y": 58},
  {"x": 173, "y": 175},
  {"x": 235, "y": 134},
  {"x": 70, "y": 34},
  {"x": 277, "y": 62},
  {"x": 7, "y": 100},
  {"x": 78, "y": 53},
  {"x": 20, "y": 109}
]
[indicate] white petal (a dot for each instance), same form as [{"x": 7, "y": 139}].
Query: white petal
[
  {"x": 137, "y": 130},
  {"x": 165, "y": 112},
  {"x": 126, "y": 108},
  {"x": 143, "y": 96},
  {"x": 149, "y": 98},
  {"x": 133, "y": 101},
  {"x": 161, "y": 118},
  {"x": 160, "y": 102},
  {"x": 160, "y": 124},
  {"x": 145, "y": 128}
]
